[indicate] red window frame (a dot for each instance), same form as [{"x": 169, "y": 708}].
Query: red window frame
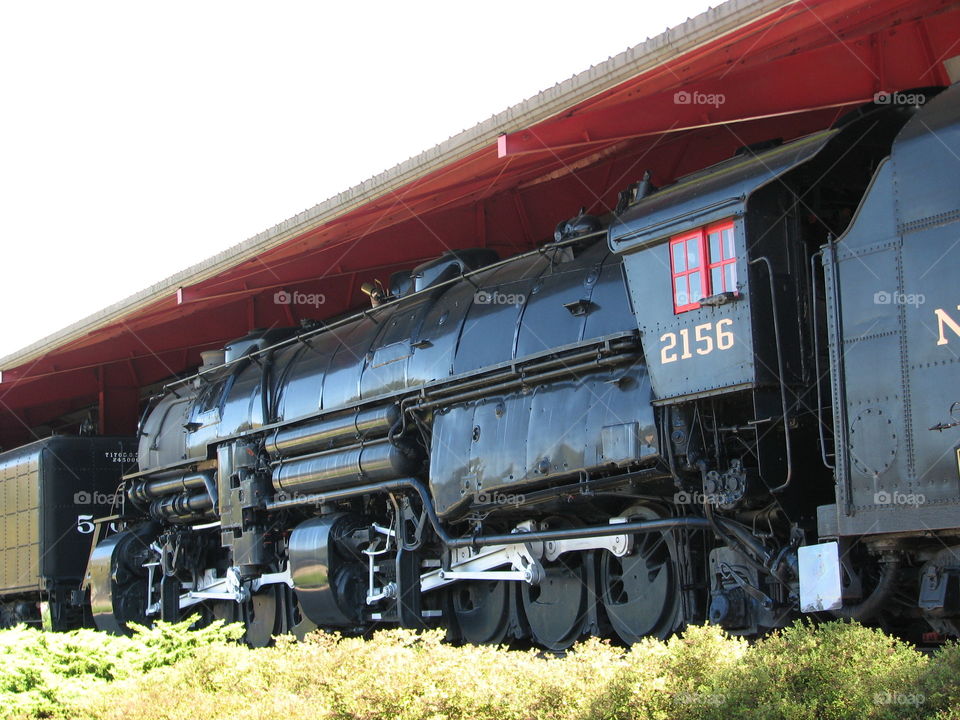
[
  {"x": 725, "y": 260},
  {"x": 683, "y": 300},
  {"x": 709, "y": 258}
]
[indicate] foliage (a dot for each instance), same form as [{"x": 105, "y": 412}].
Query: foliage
[
  {"x": 836, "y": 670},
  {"x": 46, "y": 674}
]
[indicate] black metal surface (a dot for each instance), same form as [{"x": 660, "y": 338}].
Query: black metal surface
[
  {"x": 640, "y": 591},
  {"x": 118, "y": 593},
  {"x": 50, "y": 491},
  {"x": 715, "y": 193},
  {"x": 329, "y": 586},
  {"x": 507, "y": 312},
  {"x": 409, "y": 484},
  {"x": 556, "y": 608},
  {"x": 333, "y": 469},
  {"x": 891, "y": 274},
  {"x": 482, "y": 610}
]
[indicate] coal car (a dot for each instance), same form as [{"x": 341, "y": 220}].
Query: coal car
[{"x": 50, "y": 493}]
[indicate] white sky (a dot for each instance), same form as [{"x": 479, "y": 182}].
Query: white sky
[{"x": 137, "y": 139}]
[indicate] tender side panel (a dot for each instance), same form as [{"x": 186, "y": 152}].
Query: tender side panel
[
  {"x": 20, "y": 521},
  {"x": 895, "y": 343}
]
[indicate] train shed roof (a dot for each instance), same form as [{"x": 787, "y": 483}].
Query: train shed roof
[{"x": 744, "y": 71}]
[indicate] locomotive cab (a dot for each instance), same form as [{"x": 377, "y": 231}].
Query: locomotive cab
[{"x": 722, "y": 268}]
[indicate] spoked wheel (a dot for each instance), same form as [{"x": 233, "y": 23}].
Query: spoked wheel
[
  {"x": 556, "y": 608},
  {"x": 640, "y": 591},
  {"x": 482, "y": 609}
]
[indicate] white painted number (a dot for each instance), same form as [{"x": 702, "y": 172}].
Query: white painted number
[
  {"x": 707, "y": 337},
  {"x": 84, "y": 524}
]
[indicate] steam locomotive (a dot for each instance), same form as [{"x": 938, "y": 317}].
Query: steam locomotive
[{"x": 727, "y": 401}]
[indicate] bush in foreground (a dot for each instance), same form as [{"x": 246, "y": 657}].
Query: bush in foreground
[
  {"x": 54, "y": 674},
  {"x": 839, "y": 670}
]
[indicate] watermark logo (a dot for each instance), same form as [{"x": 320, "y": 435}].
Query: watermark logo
[
  {"x": 698, "y": 498},
  {"x": 305, "y": 499},
  {"x": 896, "y": 698},
  {"x": 83, "y": 497},
  {"x": 499, "y": 498},
  {"x": 699, "y": 698},
  {"x": 282, "y": 297},
  {"x": 882, "y": 297},
  {"x": 494, "y": 297},
  {"x": 883, "y": 497},
  {"x": 899, "y": 98},
  {"x": 695, "y": 97}
]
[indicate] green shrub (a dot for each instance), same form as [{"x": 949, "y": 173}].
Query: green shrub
[
  {"x": 836, "y": 670},
  {"x": 52, "y": 674}
]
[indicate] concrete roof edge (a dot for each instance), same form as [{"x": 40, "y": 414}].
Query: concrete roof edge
[{"x": 675, "y": 41}]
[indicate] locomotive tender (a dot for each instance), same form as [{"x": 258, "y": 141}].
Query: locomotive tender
[
  {"x": 730, "y": 400},
  {"x": 50, "y": 493}
]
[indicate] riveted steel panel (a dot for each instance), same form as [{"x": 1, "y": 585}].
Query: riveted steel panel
[
  {"x": 385, "y": 368},
  {"x": 928, "y": 303},
  {"x": 435, "y": 344},
  {"x": 559, "y": 304},
  {"x": 894, "y": 354},
  {"x": 924, "y": 156},
  {"x": 699, "y": 351},
  {"x": 493, "y": 449},
  {"x": 611, "y": 312}
]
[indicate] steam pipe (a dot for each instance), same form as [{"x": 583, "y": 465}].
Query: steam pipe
[
  {"x": 783, "y": 382},
  {"x": 878, "y": 598},
  {"x": 404, "y": 484}
]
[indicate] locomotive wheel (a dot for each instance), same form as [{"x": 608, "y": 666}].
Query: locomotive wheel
[
  {"x": 556, "y": 609},
  {"x": 482, "y": 609},
  {"x": 640, "y": 592},
  {"x": 224, "y": 610},
  {"x": 260, "y": 615}
]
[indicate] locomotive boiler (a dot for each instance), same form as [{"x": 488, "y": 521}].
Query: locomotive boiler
[{"x": 730, "y": 400}]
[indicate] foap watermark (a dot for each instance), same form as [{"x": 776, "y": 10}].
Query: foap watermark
[
  {"x": 82, "y": 497},
  {"x": 899, "y": 98},
  {"x": 695, "y": 97},
  {"x": 495, "y": 297},
  {"x": 699, "y": 698},
  {"x": 882, "y": 297},
  {"x": 299, "y": 498},
  {"x": 884, "y": 497},
  {"x": 897, "y": 698},
  {"x": 282, "y": 297},
  {"x": 698, "y": 498},
  {"x": 498, "y": 498}
]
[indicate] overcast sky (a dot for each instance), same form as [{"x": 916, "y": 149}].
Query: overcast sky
[{"x": 137, "y": 139}]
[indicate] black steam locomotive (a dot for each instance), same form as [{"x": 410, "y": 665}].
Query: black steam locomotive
[{"x": 728, "y": 401}]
